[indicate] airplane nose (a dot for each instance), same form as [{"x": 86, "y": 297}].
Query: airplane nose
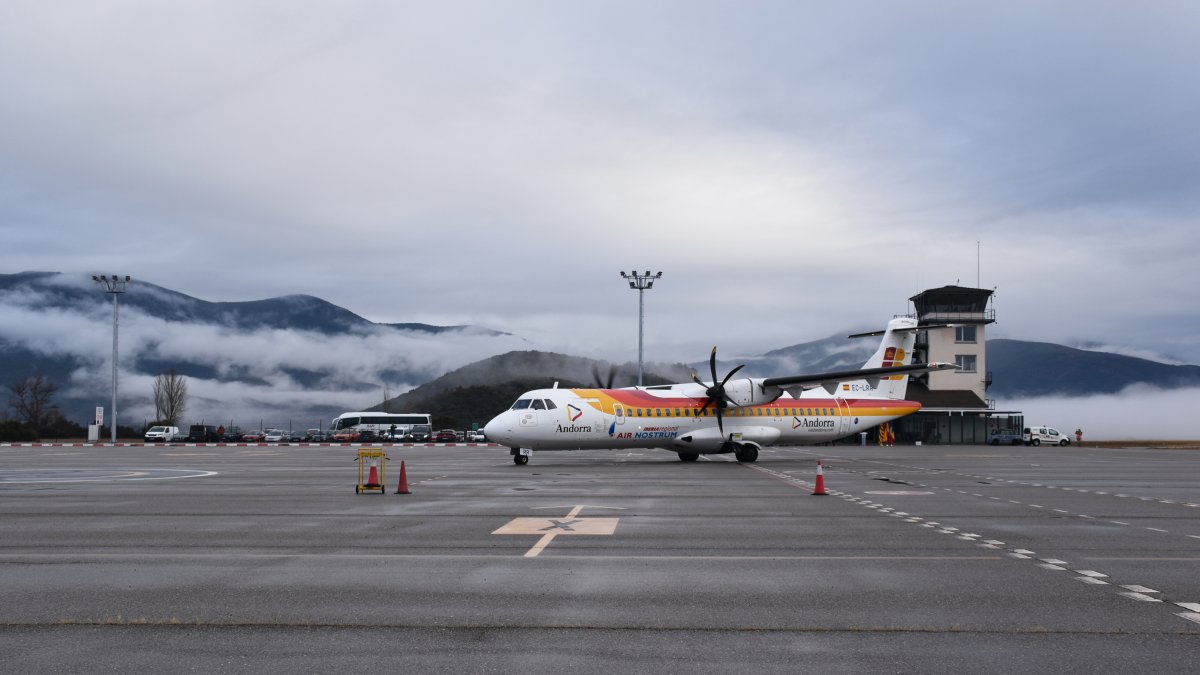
[{"x": 496, "y": 430}]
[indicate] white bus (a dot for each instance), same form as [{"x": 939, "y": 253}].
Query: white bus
[{"x": 380, "y": 423}]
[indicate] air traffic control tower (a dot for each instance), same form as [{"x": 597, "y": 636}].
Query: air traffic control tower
[{"x": 954, "y": 403}]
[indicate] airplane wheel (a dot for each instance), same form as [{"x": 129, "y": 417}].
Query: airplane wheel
[
  {"x": 520, "y": 460},
  {"x": 751, "y": 453},
  {"x": 746, "y": 453},
  {"x": 689, "y": 456}
]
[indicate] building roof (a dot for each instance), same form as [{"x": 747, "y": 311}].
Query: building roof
[
  {"x": 951, "y": 299},
  {"x": 944, "y": 398}
]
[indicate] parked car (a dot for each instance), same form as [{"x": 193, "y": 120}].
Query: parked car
[
  {"x": 445, "y": 436},
  {"x": 274, "y": 435},
  {"x": 296, "y": 437},
  {"x": 1005, "y": 437},
  {"x": 344, "y": 436},
  {"x": 476, "y": 436},
  {"x": 420, "y": 433},
  {"x": 232, "y": 435},
  {"x": 203, "y": 433},
  {"x": 316, "y": 436},
  {"x": 253, "y": 437},
  {"x": 1045, "y": 436},
  {"x": 161, "y": 434}
]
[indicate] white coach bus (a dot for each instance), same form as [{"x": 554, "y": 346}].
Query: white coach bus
[{"x": 380, "y": 423}]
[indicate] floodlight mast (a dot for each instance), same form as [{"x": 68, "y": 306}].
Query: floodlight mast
[
  {"x": 642, "y": 283},
  {"x": 116, "y": 286}
]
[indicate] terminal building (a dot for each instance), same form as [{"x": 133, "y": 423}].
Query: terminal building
[{"x": 955, "y": 407}]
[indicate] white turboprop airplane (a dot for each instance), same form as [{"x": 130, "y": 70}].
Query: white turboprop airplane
[{"x": 739, "y": 416}]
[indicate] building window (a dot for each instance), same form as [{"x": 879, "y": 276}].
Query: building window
[
  {"x": 964, "y": 334},
  {"x": 965, "y": 363}
]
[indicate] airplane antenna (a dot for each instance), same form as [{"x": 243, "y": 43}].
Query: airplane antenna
[{"x": 977, "y": 276}]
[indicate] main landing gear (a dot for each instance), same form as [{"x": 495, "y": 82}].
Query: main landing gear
[{"x": 745, "y": 453}]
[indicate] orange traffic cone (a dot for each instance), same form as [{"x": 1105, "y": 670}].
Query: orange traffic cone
[
  {"x": 373, "y": 477},
  {"x": 819, "y": 489},
  {"x": 402, "y": 487}
]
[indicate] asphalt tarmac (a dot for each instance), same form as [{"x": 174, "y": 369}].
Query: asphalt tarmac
[{"x": 934, "y": 559}]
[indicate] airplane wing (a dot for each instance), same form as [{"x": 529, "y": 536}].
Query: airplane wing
[{"x": 871, "y": 375}]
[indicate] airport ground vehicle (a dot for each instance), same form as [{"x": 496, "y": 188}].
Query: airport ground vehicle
[
  {"x": 161, "y": 434},
  {"x": 1045, "y": 436},
  {"x": 1005, "y": 437},
  {"x": 379, "y": 423}
]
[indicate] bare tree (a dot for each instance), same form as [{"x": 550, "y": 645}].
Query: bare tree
[
  {"x": 30, "y": 399},
  {"x": 170, "y": 397}
]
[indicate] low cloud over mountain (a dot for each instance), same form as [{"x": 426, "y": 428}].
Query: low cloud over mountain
[{"x": 290, "y": 358}]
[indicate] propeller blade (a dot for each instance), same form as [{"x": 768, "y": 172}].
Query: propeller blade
[
  {"x": 731, "y": 373},
  {"x": 712, "y": 365},
  {"x": 602, "y": 382}
]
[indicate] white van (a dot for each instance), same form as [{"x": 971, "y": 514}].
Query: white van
[
  {"x": 161, "y": 434},
  {"x": 1046, "y": 435}
]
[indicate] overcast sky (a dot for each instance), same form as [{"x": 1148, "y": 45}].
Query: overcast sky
[{"x": 794, "y": 169}]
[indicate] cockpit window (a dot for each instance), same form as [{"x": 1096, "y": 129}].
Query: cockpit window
[
  {"x": 538, "y": 405},
  {"x": 521, "y": 404},
  {"x": 550, "y": 405}
]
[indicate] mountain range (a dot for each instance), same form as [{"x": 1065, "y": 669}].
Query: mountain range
[{"x": 301, "y": 359}]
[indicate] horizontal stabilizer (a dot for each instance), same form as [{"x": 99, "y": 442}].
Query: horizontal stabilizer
[
  {"x": 910, "y": 329},
  {"x": 819, "y": 379}
]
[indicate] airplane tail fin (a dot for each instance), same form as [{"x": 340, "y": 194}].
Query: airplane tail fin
[{"x": 895, "y": 349}]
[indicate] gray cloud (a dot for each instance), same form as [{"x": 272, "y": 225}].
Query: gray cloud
[{"x": 793, "y": 167}]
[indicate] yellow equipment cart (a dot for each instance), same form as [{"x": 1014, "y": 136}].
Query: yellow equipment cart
[{"x": 372, "y": 470}]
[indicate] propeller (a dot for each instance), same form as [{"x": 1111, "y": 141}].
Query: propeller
[
  {"x": 603, "y": 383},
  {"x": 716, "y": 392}
]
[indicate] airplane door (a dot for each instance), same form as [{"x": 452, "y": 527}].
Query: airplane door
[
  {"x": 843, "y": 419},
  {"x": 619, "y": 412}
]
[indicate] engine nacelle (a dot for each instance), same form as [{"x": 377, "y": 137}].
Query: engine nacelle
[{"x": 749, "y": 391}]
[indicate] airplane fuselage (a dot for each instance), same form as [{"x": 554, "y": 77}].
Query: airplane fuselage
[{"x": 672, "y": 418}]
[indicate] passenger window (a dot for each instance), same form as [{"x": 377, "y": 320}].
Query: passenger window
[
  {"x": 677, "y": 412},
  {"x": 658, "y": 412},
  {"x": 550, "y": 405},
  {"x": 538, "y": 405}
]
